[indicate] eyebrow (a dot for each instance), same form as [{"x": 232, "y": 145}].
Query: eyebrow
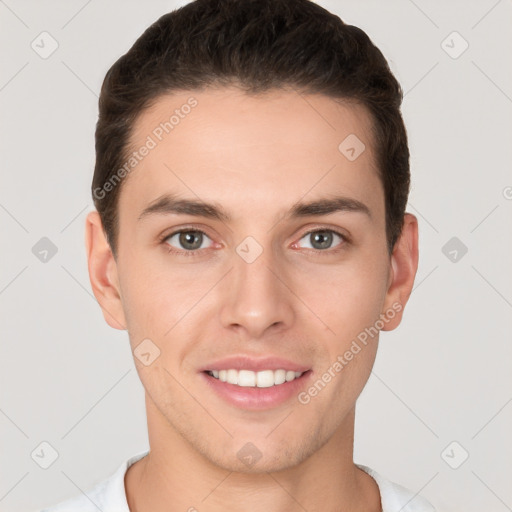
[{"x": 171, "y": 204}]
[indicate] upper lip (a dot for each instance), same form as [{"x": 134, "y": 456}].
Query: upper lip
[{"x": 244, "y": 362}]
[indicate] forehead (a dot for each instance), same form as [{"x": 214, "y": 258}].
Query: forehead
[{"x": 251, "y": 153}]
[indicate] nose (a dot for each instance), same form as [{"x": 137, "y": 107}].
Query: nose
[{"x": 257, "y": 297}]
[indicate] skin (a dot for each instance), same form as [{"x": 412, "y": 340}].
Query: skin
[{"x": 255, "y": 156}]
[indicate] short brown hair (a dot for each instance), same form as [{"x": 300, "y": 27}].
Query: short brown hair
[{"x": 257, "y": 45}]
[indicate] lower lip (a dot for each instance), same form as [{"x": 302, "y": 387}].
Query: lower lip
[{"x": 254, "y": 398}]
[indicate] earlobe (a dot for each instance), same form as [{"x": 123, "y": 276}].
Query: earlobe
[
  {"x": 103, "y": 272},
  {"x": 404, "y": 264}
]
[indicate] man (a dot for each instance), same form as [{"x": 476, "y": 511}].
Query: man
[{"x": 251, "y": 180}]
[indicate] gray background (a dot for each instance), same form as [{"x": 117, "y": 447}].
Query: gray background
[{"x": 444, "y": 375}]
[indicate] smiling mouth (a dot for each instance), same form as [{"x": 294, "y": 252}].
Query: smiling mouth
[{"x": 260, "y": 379}]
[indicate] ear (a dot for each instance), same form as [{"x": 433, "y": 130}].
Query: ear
[
  {"x": 103, "y": 272},
  {"x": 404, "y": 264}
]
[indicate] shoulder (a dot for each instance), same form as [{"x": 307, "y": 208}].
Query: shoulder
[
  {"x": 108, "y": 495},
  {"x": 395, "y": 497},
  {"x": 90, "y": 501}
]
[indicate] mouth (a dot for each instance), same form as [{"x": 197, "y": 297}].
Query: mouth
[
  {"x": 245, "y": 381},
  {"x": 256, "y": 390},
  {"x": 252, "y": 379}
]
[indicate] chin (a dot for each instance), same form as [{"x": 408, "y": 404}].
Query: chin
[
  {"x": 265, "y": 464},
  {"x": 262, "y": 455}
]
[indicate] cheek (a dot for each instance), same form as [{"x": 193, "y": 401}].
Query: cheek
[
  {"x": 342, "y": 298},
  {"x": 161, "y": 302},
  {"x": 146, "y": 298},
  {"x": 347, "y": 298}
]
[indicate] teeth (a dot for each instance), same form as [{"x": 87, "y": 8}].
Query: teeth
[
  {"x": 248, "y": 378},
  {"x": 232, "y": 376},
  {"x": 279, "y": 376}
]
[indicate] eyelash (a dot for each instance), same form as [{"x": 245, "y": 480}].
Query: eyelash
[{"x": 316, "y": 252}]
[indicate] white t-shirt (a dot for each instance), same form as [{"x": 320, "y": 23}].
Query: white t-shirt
[{"x": 109, "y": 495}]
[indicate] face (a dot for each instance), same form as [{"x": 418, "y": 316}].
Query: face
[{"x": 252, "y": 246}]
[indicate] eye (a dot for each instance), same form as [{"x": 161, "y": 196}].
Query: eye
[
  {"x": 322, "y": 239},
  {"x": 189, "y": 240}
]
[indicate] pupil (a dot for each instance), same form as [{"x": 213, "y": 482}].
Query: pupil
[
  {"x": 322, "y": 235},
  {"x": 188, "y": 237}
]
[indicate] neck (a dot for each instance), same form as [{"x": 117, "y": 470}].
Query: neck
[{"x": 176, "y": 476}]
